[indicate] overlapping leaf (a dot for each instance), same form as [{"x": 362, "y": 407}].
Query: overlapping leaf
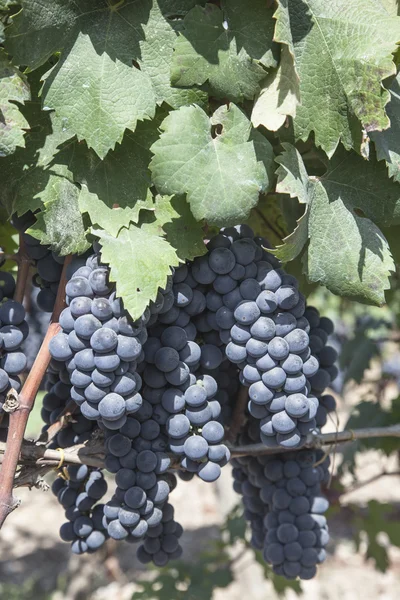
[
  {"x": 225, "y": 47},
  {"x": 94, "y": 86},
  {"x": 13, "y": 88},
  {"x": 118, "y": 186},
  {"x": 342, "y": 51},
  {"x": 157, "y": 48},
  {"x": 59, "y": 223},
  {"x": 278, "y": 97},
  {"x": 174, "y": 220},
  {"x": 387, "y": 142},
  {"x": 140, "y": 263},
  {"x": 347, "y": 252},
  {"x": 221, "y": 173}
]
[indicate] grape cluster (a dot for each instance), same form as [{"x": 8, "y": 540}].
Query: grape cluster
[
  {"x": 284, "y": 505},
  {"x": 161, "y": 391},
  {"x": 49, "y": 268},
  {"x": 162, "y": 542},
  {"x": 254, "y": 313},
  {"x": 296, "y": 530},
  {"x": 185, "y": 402},
  {"x": 48, "y": 264},
  {"x": 136, "y": 454},
  {"x": 78, "y": 493},
  {"x": 58, "y": 395},
  {"x": 100, "y": 346},
  {"x": 13, "y": 332}
]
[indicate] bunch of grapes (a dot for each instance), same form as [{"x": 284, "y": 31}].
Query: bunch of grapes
[
  {"x": 13, "y": 332},
  {"x": 284, "y": 505},
  {"x": 160, "y": 392},
  {"x": 78, "y": 492}
]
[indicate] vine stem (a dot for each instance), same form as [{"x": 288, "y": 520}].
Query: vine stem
[
  {"x": 239, "y": 416},
  {"x": 26, "y": 398},
  {"x": 320, "y": 439},
  {"x": 24, "y": 264},
  {"x": 38, "y": 455}
]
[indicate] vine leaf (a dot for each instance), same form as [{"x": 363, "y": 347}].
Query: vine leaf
[
  {"x": 59, "y": 224},
  {"x": 293, "y": 180},
  {"x": 96, "y": 96},
  {"x": 347, "y": 252},
  {"x": 118, "y": 186},
  {"x": 357, "y": 354},
  {"x": 279, "y": 95},
  {"x": 221, "y": 173},
  {"x": 378, "y": 518},
  {"x": 267, "y": 220},
  {"x": 112, "y": 220},
  {"x": 173, "y": 219},
  {"x": 13, "y": 88},
  {"x": 214, "y": 47},
  {"x": 156, "y": 51},
  {"x": 330, "y": 43},
  {"x": 387, "y": 142},
  {"x": 140, "y": 263},
  {"x": 94, "y": 87}
]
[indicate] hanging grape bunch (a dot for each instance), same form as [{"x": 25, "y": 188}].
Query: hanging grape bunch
[
  {"x": 13, "y": 331},
  {"x": 161, "y": 391}
]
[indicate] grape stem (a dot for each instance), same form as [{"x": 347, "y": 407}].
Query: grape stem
[
  {"x": 239, "y": 416},
  {"x": 24, "y": 264},
  {"x": 26, "y": 398},
  {"x": 36, "y": 455},
  {"x": 66, "y": 416}
]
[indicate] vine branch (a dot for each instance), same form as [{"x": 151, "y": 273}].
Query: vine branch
[
  {"x": 26, "y": 398},
  {"x": 93, "y": 454},
  {"x": 316, "y": 440}
]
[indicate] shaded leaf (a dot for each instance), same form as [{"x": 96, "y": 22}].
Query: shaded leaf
[
  {"x": 387, "y": 142},
  {"x": 13, "y": 88},
  {"x": 347, "y": 252},
  {"x": 207, "y": 51}
]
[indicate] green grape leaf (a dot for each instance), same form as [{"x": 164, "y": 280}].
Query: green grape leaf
[
  {"x": 160, "y": 33},
  {"x": 221, "y": 173},
  {"x": 97, "y": 96},
  {"x": 356, "y": 355},
  {"x": 108, "y": 218},
  {"x": 94, "y": 87},
  {"x": 279, "y": 95},
  {"x": 39, "y": 30},
  {"x": 387, "y": 142},
  {"x": 25, "y": 173},
  {"x": 121, "y": 181},
  {"x": 207, "y": 51},
  {"x": 140, "y": 263},
  {"x": 252, "y": 25},
  {"x": 293, "y": 180},
  {"x": 267, "y": 220},
  {"x": 347, "y": 252},
  {"x": 13, "y": 88},
  {"x": 376, "y": 519},
  {"x": 347, "y": 48},
  {"x": 174, "y": 219},
  {"x": 59, "y": 224}
]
